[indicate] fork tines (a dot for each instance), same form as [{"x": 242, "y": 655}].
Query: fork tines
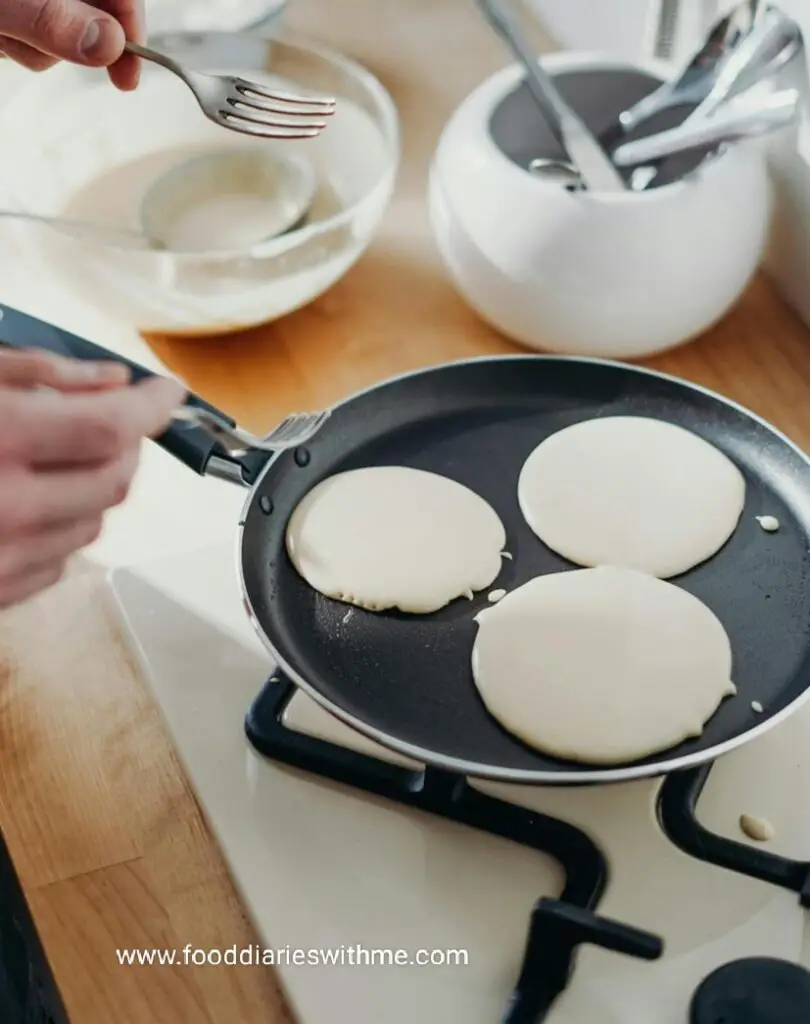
[
  {"x": 297, "y": 428},
  {"x": 251, "y": 109}
]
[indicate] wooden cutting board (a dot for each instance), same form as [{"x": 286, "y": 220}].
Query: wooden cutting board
[{"x": 107, "y": 837}]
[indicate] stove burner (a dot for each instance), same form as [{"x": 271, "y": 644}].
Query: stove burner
[
  {"x": 557, "y": 927},
  {"x": 755, "y": 991}
]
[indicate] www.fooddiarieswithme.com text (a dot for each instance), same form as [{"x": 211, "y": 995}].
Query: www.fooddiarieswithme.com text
[{"x": 290, "y": 956}]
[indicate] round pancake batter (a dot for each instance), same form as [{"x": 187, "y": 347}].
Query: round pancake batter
[
  {"x": 631, "y": 491},
  {"x": 393, "y": 537},
  {"x": 601, "y": 666}
]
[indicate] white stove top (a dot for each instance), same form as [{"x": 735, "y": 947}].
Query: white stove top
[{"x": 322, "y": 867}]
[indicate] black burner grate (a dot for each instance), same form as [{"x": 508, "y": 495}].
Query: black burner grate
[
  {"x": 557, "y": 927},
  {"x": 677, "y": 813}
]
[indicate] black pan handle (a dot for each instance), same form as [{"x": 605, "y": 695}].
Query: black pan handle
[{"x": 191, "y": 444}]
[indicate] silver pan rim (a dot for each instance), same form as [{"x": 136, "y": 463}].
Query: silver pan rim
[{"x": 493, "y": 773}]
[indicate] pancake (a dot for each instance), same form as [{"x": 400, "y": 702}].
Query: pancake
[
  {"x": 390, "y": 537},
  {"x": 601, "y": 666},
  {"x": 633, "y": 492}
]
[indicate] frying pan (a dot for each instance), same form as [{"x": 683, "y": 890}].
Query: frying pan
[{"x": 405, "y": 681}]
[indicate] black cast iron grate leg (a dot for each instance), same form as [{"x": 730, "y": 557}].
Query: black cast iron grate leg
[
  {"x": 677, "y": 812},
  {"x": 557, "y": 927}
]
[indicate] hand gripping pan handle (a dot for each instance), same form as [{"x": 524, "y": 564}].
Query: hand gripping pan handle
[{"x": 188, "y": 443}]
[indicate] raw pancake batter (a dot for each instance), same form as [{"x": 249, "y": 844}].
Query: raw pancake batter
[
  {"x": 758, "y": 829},
  {"x": 393, "y": 537},
  {"x": 625, "y": 490},
  {"x": 233, "y": 221},
  {"x": 601, "y": 666}
]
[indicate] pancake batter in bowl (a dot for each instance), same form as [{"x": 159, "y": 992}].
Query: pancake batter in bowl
[
  {"x": 232, "y": 220},
  {"x": 235, "y": 221}
]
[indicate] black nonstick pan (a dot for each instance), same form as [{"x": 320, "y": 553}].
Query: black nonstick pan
[{"x": 406, "y": 681}]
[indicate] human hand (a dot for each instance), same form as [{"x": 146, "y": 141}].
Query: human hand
[
  {"x": 70, "y": 434},
  {"x": 40, "y": 33}
]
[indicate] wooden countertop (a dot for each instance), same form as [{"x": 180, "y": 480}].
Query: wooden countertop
[{"x": 107, "y": 838}]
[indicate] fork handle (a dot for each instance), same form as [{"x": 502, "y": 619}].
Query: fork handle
[
  {"x": 190, "y": 443},
  {"x": 136, "y": 50}
]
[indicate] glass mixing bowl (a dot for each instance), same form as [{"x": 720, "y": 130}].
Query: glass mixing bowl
[
  {"x": 212, "y": 15},
  {"x": 77, "y": 147}
]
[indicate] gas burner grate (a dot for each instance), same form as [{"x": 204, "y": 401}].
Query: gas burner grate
[
  {"x": 556, "y": 928},
  {"x": 677, "y": 813}
]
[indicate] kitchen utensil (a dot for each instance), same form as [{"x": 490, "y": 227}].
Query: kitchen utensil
[
  {"x": 86, "y": 229},
  {"x": 294, "y": 430},
  {"x": 772, "y": 33},
  {"x": 245, "y": 106},
  {"x": 197, "y": 205},
  {"x": 619, "y": 276},
  {"x": 584, "y": 150},
  {"x": 81, "y": 138},
  {"x": 775, "y": 111},
  {"x": 285, "y": 185},
  {"x": 405, "y": 681},
  {"x": 697, "y": 78},
  {"x": 559, "y": 172}
]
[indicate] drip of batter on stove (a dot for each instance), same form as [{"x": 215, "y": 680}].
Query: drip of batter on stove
[
  {"x": 770, "y": 524},
  {"x": 758, "y": 829},
  {"x": 496, "y": 595}
]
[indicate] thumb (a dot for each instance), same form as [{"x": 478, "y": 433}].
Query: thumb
[{"x": 67, "y": 29}]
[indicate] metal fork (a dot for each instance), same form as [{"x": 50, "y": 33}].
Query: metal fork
[
  {"x": 293, "y": 431},
  {"x": 246, "y": 107}
]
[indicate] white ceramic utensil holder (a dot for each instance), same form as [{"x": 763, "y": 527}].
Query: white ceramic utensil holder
[{"x": 620, "y": 275}]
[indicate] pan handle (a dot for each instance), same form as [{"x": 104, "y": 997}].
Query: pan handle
[{"x": 191, "y": 444}]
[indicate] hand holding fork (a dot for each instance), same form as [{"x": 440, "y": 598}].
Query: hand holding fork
[{"x": 39, "y": 33}]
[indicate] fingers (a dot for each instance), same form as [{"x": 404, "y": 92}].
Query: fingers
[
  {"x": 58, "y": 430},
  {"x": 17, "y": 589},
  {"x": 38, "y": 33},
  {"x": 41, "y": 502},
  {"x": 125, "y": 72},
  {"x": 51, "y": 547},
  {"x": 36, "y": 368},
  {"x": 59, "y": 544},
  {"x": 25, "y": 55},
  {"x": 67, "y": 29},
  {"x": 56, "y": 499}
]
